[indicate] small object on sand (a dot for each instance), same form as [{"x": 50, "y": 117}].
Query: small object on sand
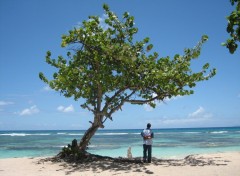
[{"x": 129, "y": 153}]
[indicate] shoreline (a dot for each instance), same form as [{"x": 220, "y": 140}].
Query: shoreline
[
  {"x": 220, "y": 163},
  {"x": 168, "y": 143}
]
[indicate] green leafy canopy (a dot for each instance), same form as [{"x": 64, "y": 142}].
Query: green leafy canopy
[
  {"x": 107, "y": 68},
  {"x": 233, "y": 28}
]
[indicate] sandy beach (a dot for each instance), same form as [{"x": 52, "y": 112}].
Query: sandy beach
[{"x": 218, "y": 164}]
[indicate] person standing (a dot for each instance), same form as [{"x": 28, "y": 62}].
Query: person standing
[{"x": 147, "y": 135}]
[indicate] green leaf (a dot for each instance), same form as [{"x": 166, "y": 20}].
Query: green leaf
[
  {"x": 176, "y": 56},
  {"x": 125, "y": 15},
  {"x": 146, "y": 40},
  {"x": 107, "y": 21},
  {"x": 191, "y": 92},
  {"x": 204, "y": 38},
  {"x": 55, "y": 75},
  {"x": 48, "y": 54},
  {"x": 42, "y": 77},
  {"x": 68, "y": 54},
  {"x": 149, "y": 47},
  {"x": 206, "y": 66},
  {"x": 105, "y": 7}
]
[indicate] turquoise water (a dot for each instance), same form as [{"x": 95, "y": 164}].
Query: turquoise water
[{"x": 168, "y": 143}]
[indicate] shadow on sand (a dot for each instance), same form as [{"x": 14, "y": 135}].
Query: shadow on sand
[{"x": 98, "y": 164}]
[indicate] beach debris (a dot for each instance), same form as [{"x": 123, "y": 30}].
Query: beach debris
[
  {"x": 195, "y": 160},
  {"x": 74, "y": 146},
  {"x": 72, "y": 152},
  {"x": 129, "y": 153}
]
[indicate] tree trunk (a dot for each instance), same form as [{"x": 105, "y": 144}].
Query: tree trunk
[
  {"x": 87, "y": 136},
  {"x": 90, "y": 132}
]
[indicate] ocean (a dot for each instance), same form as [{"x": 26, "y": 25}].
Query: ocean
[{"x": 168, "y": 143}]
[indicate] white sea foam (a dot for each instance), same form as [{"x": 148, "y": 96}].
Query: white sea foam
[
  {"x": 75, "y": 134},
  {"x": 61, "y": 146},
  {"x": 92, "y": 146},
  {"x": 61, "y": 133},
  {"x": 70, "y": 134},
  {"x": 14, "y": 134},
  {"x": 104, "y": 134},
  {"x": 211, "y": 144},
  {"x": 219, "y": 132},
  {"x": 136, "y": 133},
  {"x": 24, "y": 134}
]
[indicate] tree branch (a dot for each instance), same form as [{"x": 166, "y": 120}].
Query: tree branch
[
  {"x": 86, "y": 106},
  {"x": 141, "y": 101},
  {"x": 112, "y": 98},
  {"x": 159, "y": 96},
  {"x": 119, "y": 105}
]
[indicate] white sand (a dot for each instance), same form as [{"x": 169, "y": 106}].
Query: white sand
[{"x": 219, "y": 164}]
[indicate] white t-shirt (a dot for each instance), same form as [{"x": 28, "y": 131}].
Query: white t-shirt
[{"x": 147, "y": 133}]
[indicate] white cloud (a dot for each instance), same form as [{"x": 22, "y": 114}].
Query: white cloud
[
  {"x": 199, "y": 117},
  {"x": 47, "y": 89},
  {"x": 173, "y": 98},
  {"x": 60, "y": 108},
  {"x": 180, "y": 122},
  {"x": 29, "y": 111},
  {"x": 3, "y": 103},
  {"x": 200, "y": 113},
  {"x": 65, "y": 109},
  {"x": 147, "y": 107}
]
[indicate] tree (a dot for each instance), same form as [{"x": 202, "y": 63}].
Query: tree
[
  {"x": 106, "y": 68},
  {"x": 233, "y": 28}
]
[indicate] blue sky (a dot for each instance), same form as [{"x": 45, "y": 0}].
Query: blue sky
[{"x": 29, "y": 28}]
